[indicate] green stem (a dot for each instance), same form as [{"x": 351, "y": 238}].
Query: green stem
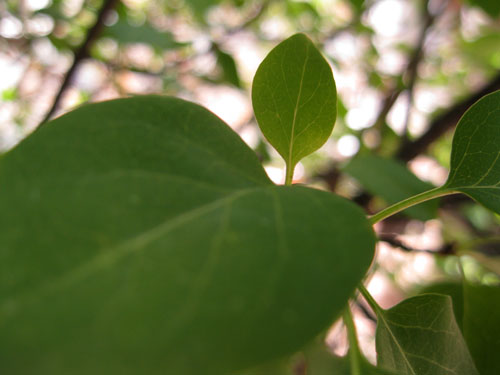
[
  {"x": 416, "y": 199},
  {"x": 354, "y": 353},
  {"x": 371, "y": 301},
  {"x": 289, "y": 174}
]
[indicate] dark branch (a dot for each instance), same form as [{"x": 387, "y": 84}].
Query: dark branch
[
  {"x": 444, "y": 122},
  {"x": 392, "y": 240},
  {"x": 80, "y": 54}
]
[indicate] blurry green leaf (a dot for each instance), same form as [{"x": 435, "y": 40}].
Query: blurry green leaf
[
  {"x": 420, "y": 336},
  {"x": 482, "y": 327},
  {"x": 298, "y": 8},
  {"x": 492, "y": 7},
  {"x": 228, "y": 66},
  {"x": 61, "y": 44},
  {"x": 200, "y": 7},
  {"x": 475, "y": 154},
  {"x": 391, "y": 181},
  {"x": 294, "y": 98},
  {"x": 262, "y": 151},
  {"x": 280, "y": 367},
  {"x": 124, "y": 32},
  {"x": 10, "y": 94},
  {"x": 358, "y": 5},
  {"x": 483, "y": 50},
  {"x": 142, "y": 236},
  {"x": 490, "y": 262},
  {"x": 320, "y": 361}
]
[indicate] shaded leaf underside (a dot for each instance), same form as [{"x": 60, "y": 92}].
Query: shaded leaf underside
[{"x": 142, "y": 236}]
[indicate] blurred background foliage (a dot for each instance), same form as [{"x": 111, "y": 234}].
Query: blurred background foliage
[{"x": 406, "y": 70}]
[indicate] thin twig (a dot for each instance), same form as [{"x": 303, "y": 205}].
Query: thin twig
[
  {"x": 392, "y": 240},
  {"x": 80, "y": 54},
  {"x": 444, "y": 122}
]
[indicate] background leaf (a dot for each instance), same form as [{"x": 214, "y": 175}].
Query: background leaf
[
  {"x": 492, "y": 7},
  {"x": 392, "y": 181},
  {"x": 481, "y": 326},
  {"x": 419, "y": 336},
  {"x": 142, "y": 236},
  {"x": 294, "y": 98},
  {"x": 475, "y": 154},
  {"x": 126, "y": 33},
  {"x": 228, "y": 66}
]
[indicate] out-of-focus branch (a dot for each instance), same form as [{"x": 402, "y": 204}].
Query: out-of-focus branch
[
  {"x": 254, "y": 17},
  {"x": 392, "y": 240},
  {"x": 81, "y": 53},
  {"x": 410, "y": 72},
  {"x": 444, "y": 122}
]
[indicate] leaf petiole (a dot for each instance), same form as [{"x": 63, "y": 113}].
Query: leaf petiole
[
  {"x": 369, "y": 298},
  {"x": 412, "y": 201},
  {"x": 289, "y": 174},
  {"x": 354, "y": 353}
]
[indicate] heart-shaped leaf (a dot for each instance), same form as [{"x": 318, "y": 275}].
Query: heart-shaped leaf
[
  {"x": 420, "y": 336},
  {"x": 141, "y": 236},
  {"x": 481, "y": 326},
  {"x": 295, "y": 99},
  {"x": 475, "y": 153}
]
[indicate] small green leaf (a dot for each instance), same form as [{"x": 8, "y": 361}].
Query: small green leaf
[
  {"x": 475, "y": 153},
  {"x": 482, "y": 326},
  {"x": 392, "y": 181},
  {"x": 126, "y": 33},
  {"x": 142, "y": 236},
  {"x": 228, "y": 66},
  {"x": 420, "y": 336},
  {"x": 294, "y": 99}
]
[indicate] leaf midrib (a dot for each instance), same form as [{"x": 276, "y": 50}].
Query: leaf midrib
[
  {"x": 380, "y": 314},
  {"x": 296, "y": 109}
]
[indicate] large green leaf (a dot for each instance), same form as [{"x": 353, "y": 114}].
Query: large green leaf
[
  {"x": 391, "y": 181},
  {"x": 482, "y": 326},
  {"x": 294, "y": 98},
  {"x": 475, "y": 154},
  {"x": 419, "y": 336},
  {"x": 142, "y": 236},
  {"x": 453, "y": 289}
]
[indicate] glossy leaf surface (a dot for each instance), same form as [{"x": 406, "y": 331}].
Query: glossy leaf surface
[
  {"x": 294, "y": 98},
  {"x": 142, "y": 236},
  {"x": 419, "y": 336},
  {"x": 391, "y": 181},
  {"x": 481, "y": 326},
  {"x": 475, "y": 154}
]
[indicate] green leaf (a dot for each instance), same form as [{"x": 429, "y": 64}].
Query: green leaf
[
  {"x": 492, "y": 7},
  {"x": 420, "y": 336},
  {"x": 392, "y": 181},
  {"x": 481, "y": 326},
  {"x": 142, "y": 236},
  {"x": 126, "y": 33},
  {"x": 228, "y": 66},
  {"x": 455, "y": 291},
  {"x": 320, "y": 361},
  {"x": 200, "y": 7},
  {"x": 294, "y": 99},
  {"x": 475, "y": 153}
]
